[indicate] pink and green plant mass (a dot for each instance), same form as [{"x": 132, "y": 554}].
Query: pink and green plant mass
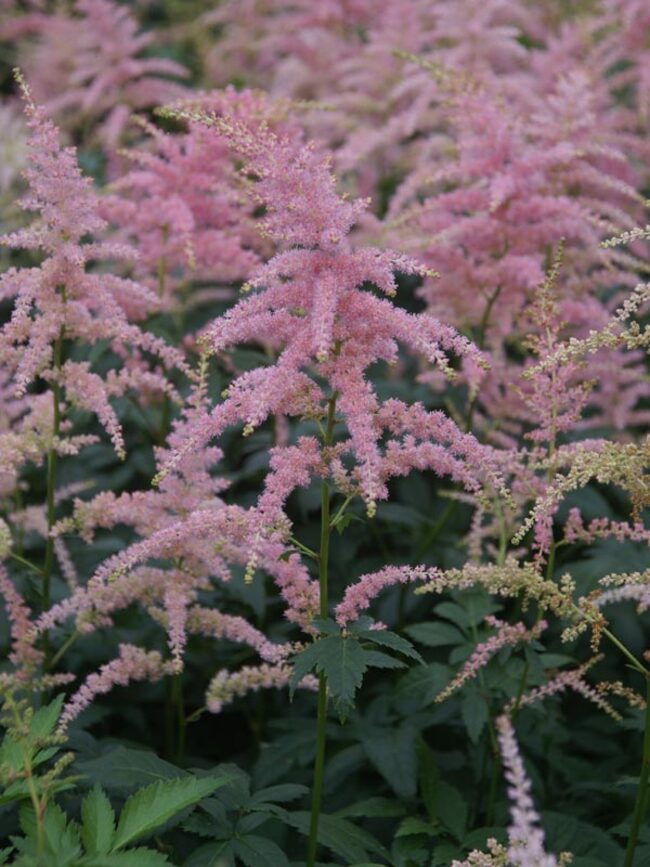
[{"x": 324, "y": 433}]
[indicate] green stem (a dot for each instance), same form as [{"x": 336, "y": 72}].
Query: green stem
[
  {"x": 67, "y": 644},
  {"x": 340, "y": 514},
  {"x": 52, "y": 459},
  {"x": 303, "y": 548},
  {"x": 641, "y": 804},
  {"x": 632, "y": 659},
  {"x": 321, "y": 720},
  {"x": 319, "y": 771},
  {"x": 26, "y": 563},
  {"x": 480, "y": 342},
  {"x": 494, "y": 784},
  {"x": 550, "y": 567},
  {"x": 177, "y": 693},
  {"x": 37, "y": 804}
]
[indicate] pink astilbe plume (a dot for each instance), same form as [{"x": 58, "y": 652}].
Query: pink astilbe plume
[
  {"x": 61, "y": 299},
  {"x": 24, "y": 655},
  {"x": 310, "y": 299},
  {"x": 89, "y": 68},
  {"x": 573, "y": 679},
  {"x": 506, "y": 635},
  {"x": 526, "y": 838},
  {"x": 196, "y": 541},
  {"x": 181, "y": 207},
  {"x": 132, "y": 665},
  {"x": 226, "y": 686},
  {"x": 358, "y": 596}
]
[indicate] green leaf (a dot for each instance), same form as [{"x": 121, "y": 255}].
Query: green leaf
[
  {"x": 133, "y": 858},
  {"x": 454, "y": 612},
  {"x": 424, "y": 682},
  {"x": 343, "y": 523},
  {"x": 378, "y": 659},
  {"x": 475, "y": 715},
  {"x": 392, "y": 752},
  {"x": 257, "y": 851},
  {"x": 44, "y": 755},
  {"x": 340, "y": 836},
  {"x": 98, "y": 822},
  {"x": 413, "y": 826},
  {"x": 11, "y": 754},
  {"x": 436, "y": 634},
  {"x": 154, "y": 805},
  {"x": 219, "y": 854},
  {"x": 385, "y": 638},
  {"x": 16, "y": 791},
  {"x": 373, "y": 808},
  {"x": 452, "y": 810},
  {"x": 45, "y": 719},
  {"x": 428, "y": 778},
  {"x": 326, "y": 626},
  {"x": 61, "y": 838},
  {"x": 342, "y": 661},
  {"x": 5, "y": 853},
  {"x": 565, "y": 832},
  {"x": 282, "y": 793},
  {"x": 124, "y": 769}
]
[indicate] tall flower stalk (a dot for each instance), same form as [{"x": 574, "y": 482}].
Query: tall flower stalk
[{"x": 323, "y": 579}]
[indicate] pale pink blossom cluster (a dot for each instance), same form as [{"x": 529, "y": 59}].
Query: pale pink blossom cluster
[
  {"x": 526, "y": 837},
  {"x": 573, "y": 679},
  {"x": 226, "y": 686},
  {"x": 61, "y": 299},
  {"x": 359, "y": 595},
  {"x": 132, "y": 665},
  {"x": 506, "y": 635},
  {"x": 89, "y": 67},
  {"x": 180, "y": 204},
  {"x": 576, "y": 530},
  {"x": 311, "y": 298}
]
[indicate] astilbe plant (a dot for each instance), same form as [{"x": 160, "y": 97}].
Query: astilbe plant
[
  {"x": 60, "y": 303},
  {"x": 106, "y": 77},
  {"x": 488, "y": 220},
  {"x": 327, "y": 330},
  {"x": 501, "y": 141},
  {"x": 553, "y": 471},
  {"x": 180, "y": 206},
  {"x": 201, "y": 541}
]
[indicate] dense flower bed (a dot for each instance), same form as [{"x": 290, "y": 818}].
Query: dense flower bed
[{"x": 324, "y": 452}]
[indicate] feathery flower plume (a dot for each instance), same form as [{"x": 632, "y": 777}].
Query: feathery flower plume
[
  {"x": 312, "y": 301},
  {"x": 227, "y": 686},
  {"x": 105, "y": 78},
  {"x": 573, "y": 679},
  {"x": 60, "y": 300},
  {"x": 132, "y": 664},
  {"x": 180, "y": 206},
  {"x": 506, "y": 635},
  {"x": 526, "y": 838}
]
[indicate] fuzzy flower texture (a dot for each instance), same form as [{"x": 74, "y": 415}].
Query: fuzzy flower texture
[{"x": 327, "y": 328}]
